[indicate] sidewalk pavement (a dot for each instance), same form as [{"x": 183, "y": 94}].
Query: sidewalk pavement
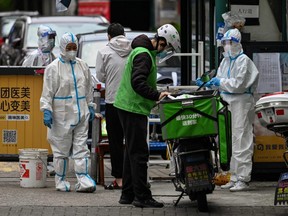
[{"x": 16, "y": 200}]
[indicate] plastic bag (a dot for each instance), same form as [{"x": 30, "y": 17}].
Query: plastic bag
[
  {"x": 233, "y": 20},
  {"x": 221, "y": 178},
  {"x": 62, "y": 5}
]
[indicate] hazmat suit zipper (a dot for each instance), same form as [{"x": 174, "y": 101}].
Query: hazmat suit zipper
[
  {"x": 232, "y": 60},
  {"x": 76, "y": 91}
]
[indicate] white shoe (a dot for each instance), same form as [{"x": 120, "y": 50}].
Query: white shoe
[
  {"x": 240, "y": 186},
  {"x": 228, "y": 185}
]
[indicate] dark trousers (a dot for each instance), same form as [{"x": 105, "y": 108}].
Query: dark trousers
[
  {"x": 136, "y": 155},
  {"x": 116, "y": 140}
]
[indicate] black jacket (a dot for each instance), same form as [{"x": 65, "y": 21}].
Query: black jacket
[{"x": 141, "y": 68}]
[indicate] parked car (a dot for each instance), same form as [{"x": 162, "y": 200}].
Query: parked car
[
  {"x": 101, "y": 20},
  {"x": 89, "y": 44},
  {"x": 22, "y": 38},
  {"x": 8, "y": 18},
  {"x": 169, "y": 71}
]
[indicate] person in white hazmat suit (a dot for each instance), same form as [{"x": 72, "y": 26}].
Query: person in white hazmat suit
[
  {"x": 66, "y": 102},
  {"x": 237, "y": 79},
  {"x": 43, "y": 55}
]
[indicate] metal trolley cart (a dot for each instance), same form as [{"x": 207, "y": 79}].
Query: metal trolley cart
[{"x": 190, "y": 125}]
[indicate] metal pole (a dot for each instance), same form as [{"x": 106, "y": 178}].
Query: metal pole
[
  {"x": 212, "y": 34},
  {"x": 200, "y": 55},
  {"x": 186, "y": 41},
  {"x": 201, "y": 67},
  {"x": 95, "y": 133},
  {"x": 187, "y": 54}
]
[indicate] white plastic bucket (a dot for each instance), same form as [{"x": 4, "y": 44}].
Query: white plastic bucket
[{"x": 33, "y": 167}]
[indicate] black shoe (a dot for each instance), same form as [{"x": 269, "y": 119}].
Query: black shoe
[
  {"x": 149, "y": 203},
  {"x": 125, "y": 200},
  {"x": 113, "y": 185}
]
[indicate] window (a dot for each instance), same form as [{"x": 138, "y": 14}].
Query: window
[{"x": 16, "y": 31}]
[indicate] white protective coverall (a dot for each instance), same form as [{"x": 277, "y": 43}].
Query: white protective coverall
[
  {"x": 67, "y": 93},
  {"x": 238, "y": 80},
  {"x": 43, "y": 55}
]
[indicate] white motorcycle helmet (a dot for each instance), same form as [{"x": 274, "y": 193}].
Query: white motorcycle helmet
[{"x": 172, "y": 37}]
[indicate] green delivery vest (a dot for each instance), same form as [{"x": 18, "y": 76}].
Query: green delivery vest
[{"x": 126, "y": 98}]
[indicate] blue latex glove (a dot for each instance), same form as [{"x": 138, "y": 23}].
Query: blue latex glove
[
  {"x": 92, "y": 113},
  {"x": 214, "y": 81},
  {"x": 47, "y": 118},
  {"x": 208, "y": 84},
  {"x": 199, "y": 82}
]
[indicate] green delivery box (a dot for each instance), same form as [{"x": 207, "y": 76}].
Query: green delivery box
[
  {"x": 189, "y": 117},
  {"x": 203, "y": 114}
]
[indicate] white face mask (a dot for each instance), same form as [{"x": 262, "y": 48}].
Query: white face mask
[
  {"x": 71, "y": 55},
  {"x": 227, "y": 48}
]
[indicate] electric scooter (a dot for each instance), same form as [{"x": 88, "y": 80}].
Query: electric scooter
[
  {"x": 271, "y": 111},
  {"x": 190, "y": 123}
]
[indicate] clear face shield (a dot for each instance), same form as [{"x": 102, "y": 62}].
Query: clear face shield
[
  {"x": 226, "y": 42},
  {"x": 167, "y": 53},
  {"x": 47, "y": 41},
  {"x": 231, "y": 47}
]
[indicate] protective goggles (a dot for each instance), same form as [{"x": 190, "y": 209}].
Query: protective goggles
[
  {"x": 49, "y": 34},
  {"x": 229, "y": 40}
]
